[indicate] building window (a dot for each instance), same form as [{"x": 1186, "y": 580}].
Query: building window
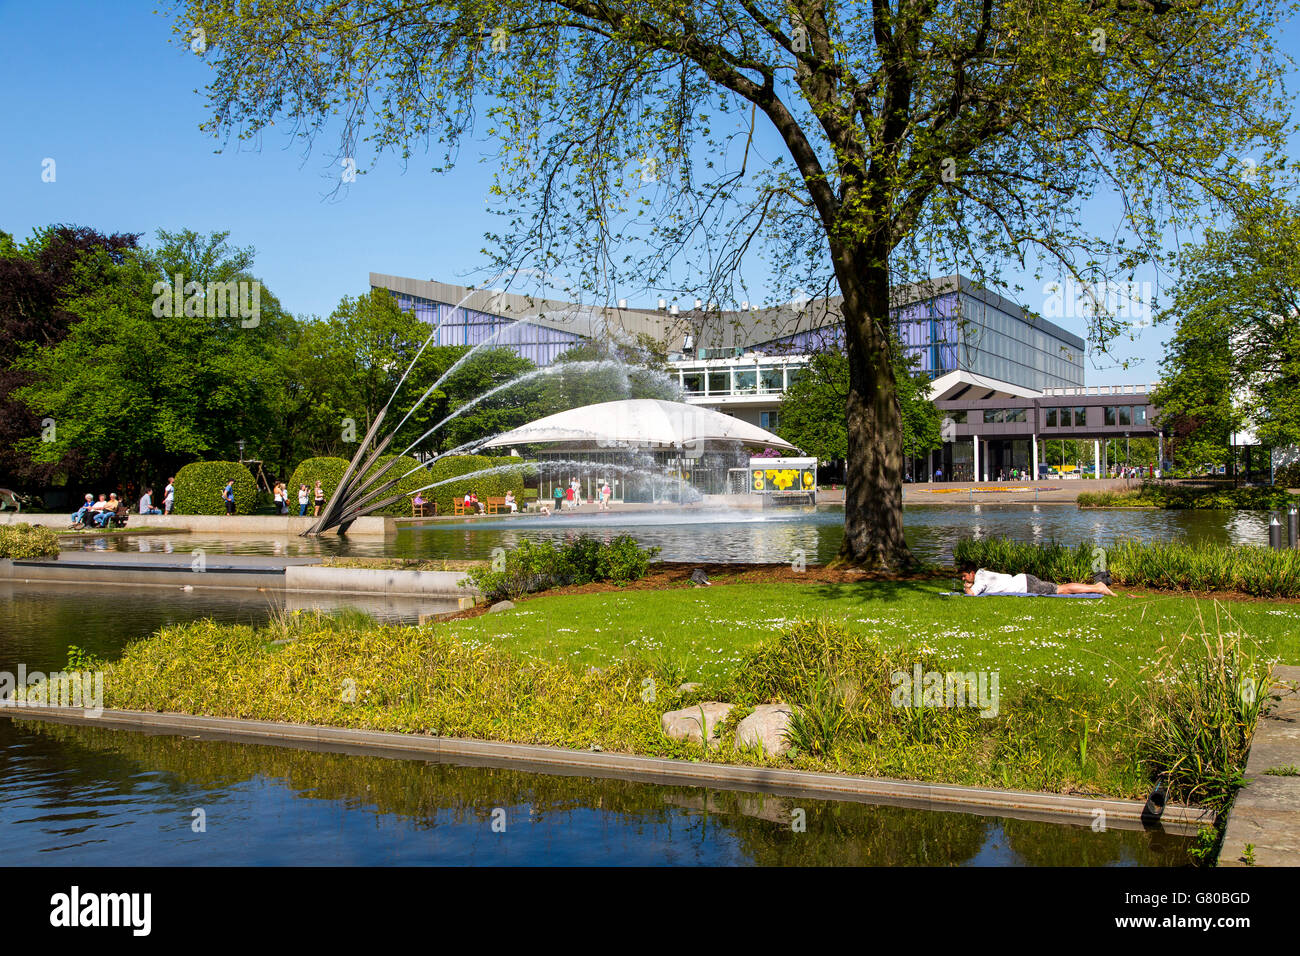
[
  {"x": 1109, "y": 411},
  {"x": 1051, "y": 418},
  {"x": 720, "y": 383},
  {"x": 1080, "y": 415},
  {"x": 1125, "y": 415},
  {"x": 992, "y": 416},
  {"x": 769, "y": 378},
  {"x": 769, "y": 420},
  {"x": 1139, "y": 414},
  {"x": 745, "y": 379},
  {"x": 693, "y": 383}
]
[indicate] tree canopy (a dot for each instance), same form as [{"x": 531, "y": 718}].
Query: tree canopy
[
  {"x": 1233, "y": 363},
  {"x": 910, "y": 138}
]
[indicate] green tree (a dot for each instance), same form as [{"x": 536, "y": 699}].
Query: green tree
[
  {"x": 1234, "y": 359},
  {"x": 913, "y": 136},
  {"x": 812, "y": 412},
  {"x": 136, "y": 393}
]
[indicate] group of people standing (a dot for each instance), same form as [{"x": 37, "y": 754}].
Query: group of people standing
[
  {"x": 569, "y": 497},
  {"x": 306, "y": 497}
]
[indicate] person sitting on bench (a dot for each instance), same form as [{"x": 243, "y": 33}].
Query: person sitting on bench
[
  {"x": 984, "y": 581},
  {"x": 104, "y": 515},
  {"x": 80, "y": 516}
]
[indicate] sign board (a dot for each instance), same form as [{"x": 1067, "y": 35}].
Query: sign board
[{"x": 772, "y": 475}]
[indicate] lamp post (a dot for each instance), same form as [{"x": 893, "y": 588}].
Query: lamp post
[{"x": 240, "y": 443}]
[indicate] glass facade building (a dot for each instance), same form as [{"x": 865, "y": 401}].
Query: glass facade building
[
  {"x": 960, "y": 331},
  {"x": 466, "y": 326}
]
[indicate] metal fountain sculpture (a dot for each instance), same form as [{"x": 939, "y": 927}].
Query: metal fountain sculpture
[{"x": 359, "y": 494}]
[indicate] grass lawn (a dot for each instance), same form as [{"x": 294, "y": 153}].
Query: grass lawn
[{"x": 707, "y": 630}]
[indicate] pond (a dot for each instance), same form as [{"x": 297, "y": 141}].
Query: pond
[
  {"x": 746, "y": 535},
  {"x": 98, "y": 796}
]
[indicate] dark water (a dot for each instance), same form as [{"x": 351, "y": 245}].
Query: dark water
[
  {"x": 749, "y": 536},
  {"x": 96, "y": 796},
  {"x": 91, "y": 796}
]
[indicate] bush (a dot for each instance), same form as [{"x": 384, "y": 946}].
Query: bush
[
  {"x": 1162, "y": 495},
  {"x": 328, "y": 471},
  {"x": 19, "y": 541},
  {"x": 493, "y": 485},
  {"x": 198, "y": 488},
  {"x": 538, "y": 565}
]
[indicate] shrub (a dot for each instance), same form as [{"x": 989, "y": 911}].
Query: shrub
[
  {"x": 328, "y": 471},
  {"x": 199, "y": 484},
  {"x": 19, "y": 541},
  {"x": 494, "y": 485},
  {"x": 538, "y": 565}
]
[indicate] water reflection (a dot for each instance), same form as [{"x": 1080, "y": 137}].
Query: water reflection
[
  {"x": 91, "y": 795},
  {"x": 745, "y": 536}
]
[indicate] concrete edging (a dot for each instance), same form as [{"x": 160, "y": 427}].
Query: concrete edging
[
  {"x": 368, "y": 526},
  {"x": 1057, "y": 808}
]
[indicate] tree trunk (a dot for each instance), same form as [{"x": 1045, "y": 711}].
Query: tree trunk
[{"x": 873, "y": 492}]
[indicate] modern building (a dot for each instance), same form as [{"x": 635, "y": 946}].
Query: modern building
[{"x": 1007, "y": 380}]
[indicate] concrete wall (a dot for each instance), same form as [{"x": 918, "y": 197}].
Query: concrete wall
[
  {"x": 370, "y": 525},
  {"x": 303, "y": 577}
]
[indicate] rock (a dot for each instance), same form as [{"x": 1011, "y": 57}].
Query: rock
[
  {"x": 501, "y": 606},
  {"x": 766, "y": 729},
  {"x": 685, "y": 724},
  {"x": 689, "y": 687}
]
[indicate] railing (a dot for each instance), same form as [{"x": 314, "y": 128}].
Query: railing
[{"x": 1101, "y": 389}]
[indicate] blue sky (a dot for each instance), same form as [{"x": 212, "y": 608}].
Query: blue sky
[{"x": 104, "y": 90}]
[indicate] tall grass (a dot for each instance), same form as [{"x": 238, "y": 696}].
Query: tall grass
[
  {"x": 1202, "y": 701},
  {"x": 1176, "y": 565}
]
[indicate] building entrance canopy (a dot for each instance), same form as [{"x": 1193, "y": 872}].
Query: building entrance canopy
[{"x": 639, "y": 423}]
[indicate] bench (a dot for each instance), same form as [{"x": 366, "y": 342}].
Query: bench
[
  {"x": 423, "y": 509},
  {"x": 495, "y": 505},
  {"x": 117, "y": 520},
  {"x": 459, "y": 507}
]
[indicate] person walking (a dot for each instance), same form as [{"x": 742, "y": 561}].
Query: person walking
[
  {"x": 568, "y": 497},
  {"x": 320, "y": 499},
  {"x": 302, "y": 500},
  {"x": 559, "y": 499},
  {"x": 228, "y": 496},
  {"x": 169, "y": 496},
  {"x": 278, "y": 494}
]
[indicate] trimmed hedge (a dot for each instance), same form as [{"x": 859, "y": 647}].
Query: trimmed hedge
[
  {"x": 20, "y": 541},
  {"x": 329, "y": 470},
  {"x": 487, "y": 486},
  {"x": 199, "y": 484}
]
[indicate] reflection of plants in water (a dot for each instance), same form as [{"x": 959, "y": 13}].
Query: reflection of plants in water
[
  {"x": 434, "y": 794},
  {"x": 1082, "y": 846}
]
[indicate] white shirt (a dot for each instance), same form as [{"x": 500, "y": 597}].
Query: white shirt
[
  {"x": 991, "y": 582},
  {"x": 169, "y": 492}
]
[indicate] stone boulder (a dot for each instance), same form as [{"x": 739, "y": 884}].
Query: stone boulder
[
  {"x": 766, "y": 729},
  {"x": 501, "y": 606},
  {"x": 694, "y": 723}
]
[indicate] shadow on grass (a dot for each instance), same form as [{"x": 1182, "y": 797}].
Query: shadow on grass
[{"x": 864, "y": 592}]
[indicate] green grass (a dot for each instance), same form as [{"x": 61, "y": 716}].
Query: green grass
[{"x": 708, "y": 630}]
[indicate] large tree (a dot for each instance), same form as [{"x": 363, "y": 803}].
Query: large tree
[
  {"x": 37, "y": 279},
  {"x": 1233, "y": 362},
  {"x": 918, "y": 135}
]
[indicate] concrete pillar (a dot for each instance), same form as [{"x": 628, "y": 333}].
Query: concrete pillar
[
  {"x": 930, "y": 466},
  {"x": 1033, "y": 472},
  {"x": 975, "y": 457},
  {"x": 1096, "y": 458}
]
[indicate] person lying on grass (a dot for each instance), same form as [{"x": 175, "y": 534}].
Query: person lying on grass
[{"x": 984, "y": 581}]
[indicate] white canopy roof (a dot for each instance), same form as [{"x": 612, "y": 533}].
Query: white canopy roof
[{"x": 639, "y": 422}]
